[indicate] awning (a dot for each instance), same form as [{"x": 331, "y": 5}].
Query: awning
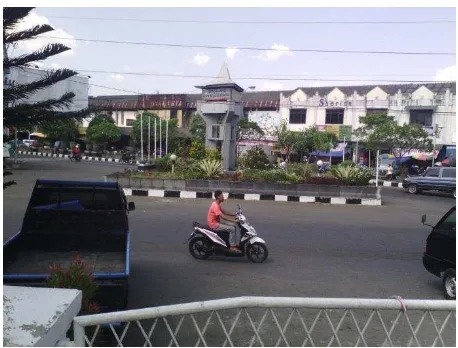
[
  {"x": 38, "y": 134},
  {"x": 329, "y": 154}
]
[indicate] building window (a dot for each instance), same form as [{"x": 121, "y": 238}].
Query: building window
[
  {"x": 122, "y": 118},
  {"x": 297, "y": 116},
  {"x": 334, "y": 116},
  {"x": 173, "y": 114},
  {"x": 129, "y": 122},
  {"x": 423, "y": 117},
  {"x": 215, "y": 131},
  {"x": 377, "y": 112}
]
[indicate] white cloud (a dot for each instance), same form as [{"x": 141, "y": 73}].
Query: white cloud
[
  {"x": 201, "y": 59},
  {"x": 272, "y": 86},
  {"x": 34, "y": 19},
  {"x": 231, "y": 51},
  {"x": 446, "y": 74},
  {"x": 275, "y": 53},
  {"x": 117, "y": 77},
  {"x": 127, "y": 68}
]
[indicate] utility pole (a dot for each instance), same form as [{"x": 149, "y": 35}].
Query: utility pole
[
  {"x": 149, "y": 138},
  {"x": 155, "y": 139},
  {"x": 436, "y": 133},
  {"x": 343, "y": 150}
]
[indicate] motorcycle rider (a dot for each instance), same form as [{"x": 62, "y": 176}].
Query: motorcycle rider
[
  {"x": 216, "y": 213},
  {"x": 76, "y": 151}
]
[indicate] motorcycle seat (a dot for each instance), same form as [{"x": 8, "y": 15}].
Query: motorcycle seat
[{"x": 197, "y": 224}]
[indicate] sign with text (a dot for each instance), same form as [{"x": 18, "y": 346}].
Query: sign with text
[
  {"x": 339, "y": 130},
  {"x": 345, "y": 132},
  {"x": 324, "y": 103},
  {"x": 333, "y": 128},
  {"x": 216, "y": 94}
]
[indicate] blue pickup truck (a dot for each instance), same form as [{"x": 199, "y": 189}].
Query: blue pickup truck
[{"x": 65, "y": 218}]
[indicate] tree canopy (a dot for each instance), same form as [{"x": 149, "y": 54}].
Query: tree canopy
[
  {"x": 382, "y": 132},
  {"x": 65, "y": 129},
  {"x": 198, "y": 127},
  {"x": 103, "y": 133}
]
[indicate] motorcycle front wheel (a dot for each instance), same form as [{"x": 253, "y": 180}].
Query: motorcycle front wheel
[
  {"x": 257, "y": 252},
  {"x": 199, "y": 248}
]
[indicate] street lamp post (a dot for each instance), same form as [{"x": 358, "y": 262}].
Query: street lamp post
[{"x": 173, "y": 158}]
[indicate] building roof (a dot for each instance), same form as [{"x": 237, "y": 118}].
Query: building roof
[
  {"x": 255, "y": 100},
  {"x": 222, "y": 80},
  {"x": 439, "y": 88}
]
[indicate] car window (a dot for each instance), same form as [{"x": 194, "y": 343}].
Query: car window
[
  {"x": 449, "y": 173},
  {"x": 448, "y": 225},
  {"x": 451, "y": 219},
  {"x": 434, "y": 172}
]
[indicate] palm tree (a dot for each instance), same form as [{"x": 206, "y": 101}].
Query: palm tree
[{"x": 17, "y": 111}]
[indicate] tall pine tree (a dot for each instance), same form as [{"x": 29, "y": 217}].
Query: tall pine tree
[{"x": 17, "y": 111}]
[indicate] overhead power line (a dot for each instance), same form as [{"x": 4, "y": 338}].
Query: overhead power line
[
  {"x": 256, "y": 48},
  {"x": 268, "y": 78},
  {"x": 189, "y": 21}
]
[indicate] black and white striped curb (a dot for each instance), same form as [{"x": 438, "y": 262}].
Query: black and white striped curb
[
  {"x": 85, "y": 158},
  {"x": 250, "y": 197},
  {"x": 387, "y": 183}
]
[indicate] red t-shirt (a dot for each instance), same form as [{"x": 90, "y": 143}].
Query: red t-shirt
[{"x": 213, "y": 215}]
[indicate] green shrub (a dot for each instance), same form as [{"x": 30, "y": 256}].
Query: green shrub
[
  {"x": 361, "y": 177},
  {"x": 210, "y": 168},
  {"x": 255, "y": 158},
  {"x": 303, "y": 170},
  {"x": 270, "y": 176},
  {"x": 163, "y": 164},
  {"x": 197, "y": 150},
  {"x": 213, "y": 154},
  {"x": 352, "y": 175},
  {"x": 348, "y": 163}
]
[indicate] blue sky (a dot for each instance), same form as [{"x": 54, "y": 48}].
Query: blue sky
[{"x": 122, "y": 58}]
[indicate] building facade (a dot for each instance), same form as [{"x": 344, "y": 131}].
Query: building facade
[
  {"x": 338, "y": 109},
  {"x": 334, "y": 109},
  {"x": 77, "y": 84}
]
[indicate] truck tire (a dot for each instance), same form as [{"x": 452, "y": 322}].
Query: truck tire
[
  {"x": 449, "y": 283},
  {"x": 454, "y": 193}
]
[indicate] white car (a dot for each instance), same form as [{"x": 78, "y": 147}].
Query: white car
[{"x": 29, "y": 142}]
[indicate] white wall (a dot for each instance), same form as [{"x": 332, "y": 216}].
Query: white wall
[
  {"x": 267, "y": 120},
  {"x": 76, "y": 84}
]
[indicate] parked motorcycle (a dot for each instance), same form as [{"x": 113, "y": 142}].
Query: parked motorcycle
[
  {"x": 204, "y": 242},
  {"x": 75, "y": 157},
  {"x": 127, "y": 158}
]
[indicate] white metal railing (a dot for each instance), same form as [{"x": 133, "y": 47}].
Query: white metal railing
[{"x": 277, "y": 321}]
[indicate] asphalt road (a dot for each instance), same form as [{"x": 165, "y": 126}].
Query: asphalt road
[{"x": 314, "y": 250}]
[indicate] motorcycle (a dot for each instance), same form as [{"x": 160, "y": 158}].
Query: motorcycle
[
  {"x": 75, "y": 157},
  {"x": 204, "y": 242},
  {"x": 127, "y": 158}
]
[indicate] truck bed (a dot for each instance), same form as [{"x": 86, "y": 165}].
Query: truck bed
[
  {"x": 32, "y": 254},
  {"x": 38, "y": 262}
]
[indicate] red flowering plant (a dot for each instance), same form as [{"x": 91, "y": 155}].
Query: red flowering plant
[{"x": 76, "y": 276}]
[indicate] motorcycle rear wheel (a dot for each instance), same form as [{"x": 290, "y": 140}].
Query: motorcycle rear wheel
[
  {"x": 257, "y": 252},
  {"x": 199, "y": 248}
]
